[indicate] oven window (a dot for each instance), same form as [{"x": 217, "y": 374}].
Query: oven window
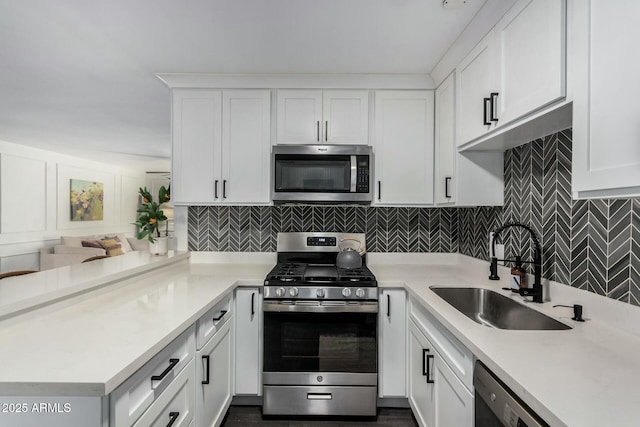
[
  {"x": 327, "y": 174},
  {"x": 320, "y": 342}
]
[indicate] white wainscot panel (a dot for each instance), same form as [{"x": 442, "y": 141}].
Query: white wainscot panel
[
  {"x": 111, "y": 200},
  {"x": 23, "y": 194}
]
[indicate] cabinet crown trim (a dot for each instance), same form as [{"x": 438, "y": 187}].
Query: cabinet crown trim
[{"x": 296, "y": 81}]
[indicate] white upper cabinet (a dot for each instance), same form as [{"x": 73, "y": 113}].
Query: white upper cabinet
[
  {"x": 516, "y": 70},
  {"x": 462, "y": 179},
  {"x": 477, "y": 80},
  {"x": 403, "y": 147},
  {"x": 246, "y": 146},
  {"x": 606, "y": 112},
  {"x": 299, "y": 116},
  {"x": 197, "y": 143},
  {"x": 323, "y": 117},
  {"x": 531, "y": 42},
  {"x": 221, "y": 146}
]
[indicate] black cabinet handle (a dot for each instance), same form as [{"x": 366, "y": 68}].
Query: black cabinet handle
[
  {"x": 326, "y": 130},
  {"x": 172, "y": 364},
  {"x": 379, "y": 190},
  {"x": 494, "y": 103},
  {"x": 215, "y": 191},
  {"x": 388, "y": 305},
  {"x": 447, "y": 180},
  {"x": 318, "y": 131},
  {"x": 253, "y": 310},
  {"x": 207, "y": 369},
  {"x": 487, "y": 103},
  {"x": 173, "y": 416},
  {"x": 224, "y": 188},
  {"x": 222, "y": 313},
  {"x": 429, "y": 380}
]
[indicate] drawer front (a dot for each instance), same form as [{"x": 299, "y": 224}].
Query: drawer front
[
  {"x": 292, "y": 400},
  {"x": 142, "y": 389},
  {"x": 176, "y": 405},
  {"x": 454, "y": 353},
  {"x": 213, "y": 320}
]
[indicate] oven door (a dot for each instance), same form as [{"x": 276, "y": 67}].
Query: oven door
[{"x": 316, "y": 348}]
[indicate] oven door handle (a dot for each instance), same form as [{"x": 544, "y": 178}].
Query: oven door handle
[
  {"x": 277, "y": 307},
  {"x": 319, "y": 396}
]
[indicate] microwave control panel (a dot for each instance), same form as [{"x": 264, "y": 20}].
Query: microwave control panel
[{"x": 362, "y": 182}]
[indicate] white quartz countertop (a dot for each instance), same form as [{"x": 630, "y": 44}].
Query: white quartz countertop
[
  {"x": 89, "y": 344},
  {"x": 586, "y": 376}
]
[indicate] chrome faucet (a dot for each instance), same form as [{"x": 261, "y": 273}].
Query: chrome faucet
[{"x": 536, "y": 291}]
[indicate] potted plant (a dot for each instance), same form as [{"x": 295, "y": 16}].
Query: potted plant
[{"x": 149, "y": 219}]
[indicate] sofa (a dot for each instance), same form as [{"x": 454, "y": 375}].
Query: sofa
[{"x": 72, "y": 250}]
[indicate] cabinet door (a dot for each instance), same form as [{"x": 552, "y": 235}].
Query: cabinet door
[
  {"x": 476, "y": 79},
  {"x": 246, "y": 146},
  {"x": 393, "y": 343},
  {"x": 299, "y": 118},
  {"x": 346, "y": 117},
  {"x": 421, "y": 393},
  {"x": 453, "y": 402},
  {"x": 197, "y": 140},
  {"x": 248, "y": 342},
  {"x": 606, "y": 135},
  {"x": 403, "y": 147},
  {"x": 530, "y": 34},
  {"x": 213, "y": 376},
  {"x": 445, "y": 142}
]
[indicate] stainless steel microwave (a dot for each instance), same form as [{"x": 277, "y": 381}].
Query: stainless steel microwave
[{"x": 322, "y": 174}]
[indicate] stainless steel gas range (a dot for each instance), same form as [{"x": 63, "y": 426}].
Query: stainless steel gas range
[{"x": 320, "y": 330}]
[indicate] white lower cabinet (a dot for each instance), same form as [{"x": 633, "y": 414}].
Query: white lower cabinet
[
  {"x": 213, "y": 374},
  {"x": 248, "y": 339},
  {"x": 392, "y": 362},
  {"x": 436, "y": 395}
]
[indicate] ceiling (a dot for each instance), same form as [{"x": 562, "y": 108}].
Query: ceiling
[{"x": 78, "y": 76}]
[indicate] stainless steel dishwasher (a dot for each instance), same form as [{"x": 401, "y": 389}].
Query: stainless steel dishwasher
[{"x": 496, "y": 405}]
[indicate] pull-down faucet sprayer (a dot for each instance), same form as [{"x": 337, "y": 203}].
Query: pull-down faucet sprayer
[{"x": 536, "y": 291}]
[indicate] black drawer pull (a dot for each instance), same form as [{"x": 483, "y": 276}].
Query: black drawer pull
[
  {"x": 424, "y": 362},
  {"x": 388, "y": 305},
  {"x": 253, "y": 310},
  {"x": 429, "y": 380},
  {"x": 447, "y": 180},
  {"x": 172, "y": 364},
  {"x": 487, "y": 103},
  {"x": 207, "y": 369},
  {"x": 318, "y": 130},
  {"x": 494, "y": 103},
  {"x": 379, "y": 191},
  {"x": 224, "y": 188},
  {"x": 173, "y": 417},
  {"x": 326, "y": 130},
  {"x": 215, "y": 192},
  {"x": 222, "y": 313}
]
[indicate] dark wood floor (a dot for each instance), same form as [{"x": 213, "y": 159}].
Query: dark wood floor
[{"x": 252, "y": 416}]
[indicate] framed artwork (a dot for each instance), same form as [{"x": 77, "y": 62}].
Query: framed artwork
[{"x": 87, "y": 199}]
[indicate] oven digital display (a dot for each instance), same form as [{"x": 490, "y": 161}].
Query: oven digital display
[{"x": 321, "y": 241}]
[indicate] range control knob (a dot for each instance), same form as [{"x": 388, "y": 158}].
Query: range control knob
[
  {"x": 360, "y": 293},
  {"x": 293, "y": 292},
  {"x": 280, "y": 292},
  {"x": 346, "y": 292},
  {"x": 320, "y": 293}
]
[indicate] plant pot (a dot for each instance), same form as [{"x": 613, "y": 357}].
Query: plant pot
[{"x": 159, "y": 247}]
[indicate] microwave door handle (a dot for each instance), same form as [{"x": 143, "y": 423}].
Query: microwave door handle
[{"x": 354, "y": 173}]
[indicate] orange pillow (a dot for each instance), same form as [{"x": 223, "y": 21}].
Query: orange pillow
[{"x": 112, "y": 246}]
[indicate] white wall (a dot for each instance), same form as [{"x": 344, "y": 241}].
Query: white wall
[{"x": 35, "y": 206}]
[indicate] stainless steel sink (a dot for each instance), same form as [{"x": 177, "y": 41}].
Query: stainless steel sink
[{"x": 490, "y": 308}]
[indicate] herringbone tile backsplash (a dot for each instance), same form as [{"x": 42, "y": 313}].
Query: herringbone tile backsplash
[{"x": 589, "y": 244}]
